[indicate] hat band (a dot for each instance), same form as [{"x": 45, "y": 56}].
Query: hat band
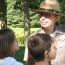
[{"x": 49, "y": 10}]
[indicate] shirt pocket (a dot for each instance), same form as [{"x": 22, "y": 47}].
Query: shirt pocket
[{"x": 60, "y": 43}]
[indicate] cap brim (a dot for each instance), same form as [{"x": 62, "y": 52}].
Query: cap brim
[{"x": 38, "y": 11}]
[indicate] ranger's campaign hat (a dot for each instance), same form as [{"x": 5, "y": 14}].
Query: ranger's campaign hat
[{"x": 49, "y": 6}]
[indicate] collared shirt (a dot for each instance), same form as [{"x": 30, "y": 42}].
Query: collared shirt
[{"x": 59, "y": 37}]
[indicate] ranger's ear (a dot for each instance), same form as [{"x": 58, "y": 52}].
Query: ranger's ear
[{"x": 57, "y": 17}]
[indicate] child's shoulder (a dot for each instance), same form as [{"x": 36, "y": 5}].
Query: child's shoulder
[
  {"x": 17, "y": 63},
  {"x": 12, "y": 61}
]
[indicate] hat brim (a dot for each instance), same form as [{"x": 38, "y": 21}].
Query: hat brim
[{"x": 47, "y": 11}]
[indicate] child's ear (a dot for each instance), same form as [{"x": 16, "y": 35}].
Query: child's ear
[{"x": 46, "y": 53}]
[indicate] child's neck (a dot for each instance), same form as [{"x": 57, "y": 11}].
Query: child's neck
[{"x": 42, "y": 63}]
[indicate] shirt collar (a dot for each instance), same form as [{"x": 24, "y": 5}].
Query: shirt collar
[{"x": 57, "y": 30}]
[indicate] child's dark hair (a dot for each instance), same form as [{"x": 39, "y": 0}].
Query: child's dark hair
[
  {"x": 7, "y": 37},
  {"x": 38, "y": 44}
]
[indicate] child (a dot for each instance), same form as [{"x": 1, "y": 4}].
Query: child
[
  {"x": 41, "y": 49},
  {"x": 8, "y": 46}
]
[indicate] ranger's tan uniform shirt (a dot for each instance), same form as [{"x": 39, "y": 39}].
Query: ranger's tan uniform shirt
[{"x": 59, "y": 37}]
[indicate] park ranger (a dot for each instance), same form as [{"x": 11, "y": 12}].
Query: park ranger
[{"x": 49, "y": 13}]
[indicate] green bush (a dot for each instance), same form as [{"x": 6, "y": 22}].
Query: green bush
[
  {"x": 34, "y": 24},
  {"x": 20, "y": 37},
  {"x": 19, "y": 32}
]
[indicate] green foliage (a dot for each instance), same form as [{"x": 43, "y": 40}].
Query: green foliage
[
  {"x": 14, "y": 13},
  {"x": 20, "y": 36},
  {"x": 34, "y": 4},
  {"x": 19, "y": 32},
  {"x": 35, "y": 24},
  {"x": 34, "y": 21},
  {"x": 20, "y": 54},
  {"x": 62, "y": 9},
  {"x": 15, "y": 17}
]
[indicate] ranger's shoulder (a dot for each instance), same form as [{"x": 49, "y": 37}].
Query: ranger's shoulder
[{"x": 62, "y": 27}]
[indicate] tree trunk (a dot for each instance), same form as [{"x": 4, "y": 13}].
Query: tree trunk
[
  {"x": 3, "y": 10},
  {"x": 25, "y": 9}
]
